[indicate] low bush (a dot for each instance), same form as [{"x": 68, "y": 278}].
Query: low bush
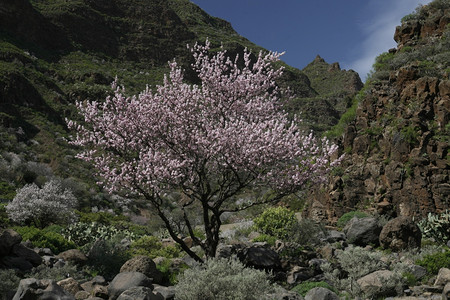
[
  {"x": 434, "y": 262},
  {"x": 152, "y": 247},
  {"x": 222, "y": 279},
  {"x": 45, "y": 238},
  {"x": 57, "y": 274},
  {"x": 276, "y": 221},
  {"x": 304, "y": 287},
  {"x": 106, "y": 256},
  {"x": 170, "y": 271},
  {"x": 9, "y": 281},
  {"x": 345, "y": 218},
  {"x": 266, "y": 238}
]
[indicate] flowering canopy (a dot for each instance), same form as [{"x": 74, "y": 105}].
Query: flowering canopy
[{"x": 209, "y": 141}]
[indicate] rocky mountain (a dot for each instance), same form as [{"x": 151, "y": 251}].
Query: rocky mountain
[
  {"x": 396, "y": 136},
  {"x": 54, "y": 52}
]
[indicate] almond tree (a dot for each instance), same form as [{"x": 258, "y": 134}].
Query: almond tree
[{"x": 211, "y": 142}]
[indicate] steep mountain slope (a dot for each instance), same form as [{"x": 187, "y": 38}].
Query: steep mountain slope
[
  {"x": 396, "y": 139},
  {"x": 54, "y": 52}
]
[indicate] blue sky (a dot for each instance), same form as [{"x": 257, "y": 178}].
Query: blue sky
[{"x": 351, "y": 32}]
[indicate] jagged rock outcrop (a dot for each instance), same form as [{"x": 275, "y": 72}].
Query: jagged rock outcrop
[{"x": 397, "y": 160}]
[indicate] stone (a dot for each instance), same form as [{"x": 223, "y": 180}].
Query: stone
[
  {"x": 144, "y": 265},
  {"x": 168, "y": 292},
  {"x": 363, "y": 231},
  {"x": 100, "y": 291},
  {"x": 399, "y": 234},
  {"x": 446, "y": 292},
  {"x": 418, "y": 271},
  {"x": 89, "y": 285},
  {"x": 320, "y": 293},
  {"x": 21, "y": 251},
  {"x": 70, "y": 285},
  {"x": 82, "y": 295},
  {"x": 140, "y": 293},
  {"x": 125, "y": 280},
  {"x": 443, "y": 277},
  {"x": 31, "y": 288},
  {"x": 14, "y": 262},
  {"x": 372, "y": 283},
  {"x": 299, "y": 274},
  {"x": 334, "y": 236},
  {"x": 74, "y": 256},
  {"x": 8, "y": 238},
  {"x": 260, "y": 258}
]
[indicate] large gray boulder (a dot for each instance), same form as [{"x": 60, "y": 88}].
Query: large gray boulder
[
  {"x": 21, "y": 251},
  {"x": 363, "y": 231},
  {"x": 126, "y": 280},
  {"x": 168, "y": 292},
  {"x": 320, "y": 293},
  {"x": 8, "y": 238},
  {"x": 74, "y": 256},
  {"x": 14, "y": 262},
  {"x": 140, "y": 293},
  {"x": 144, "y": 265},
  {"x": 375, "y": 283},
  {"x": 45, "y": 289},
  {"x": 260, "y": 257},
  {"x": 399, "y": 234}
]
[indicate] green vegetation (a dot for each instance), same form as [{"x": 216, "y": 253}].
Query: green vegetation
[
  {"x": 266, "y": 238},
  {"x": 226, "y": 278},
  {"x": 436, "y": 226},
  {"x": 434, "y": 262},
  {"x": 46, "y": 238},
  {"x": 345, "y": 218},
  {"x": 152, "y": 247},
  {"x": 304, "y": 287},
  {"x": 276, "y": 221}
]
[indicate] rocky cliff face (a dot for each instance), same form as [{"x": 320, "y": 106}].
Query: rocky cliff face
[{"x": 396, "y": 148}]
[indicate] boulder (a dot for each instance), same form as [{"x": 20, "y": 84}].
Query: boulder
[
  {"x": 74, "y": 256},
  {"x": 373, "y": 283},
  {"x": 21, "y": 251},
  {"x": 125, "y": 280},
  {"x": 446, "y": 292},
  {"x": 14, "y": 262},
  {"x": 70, "y": 285},
  {"x": 334, "y": 236},
  {"x": 140, "y": 293},
  {"x": 32, "y": 288},
  {"x": 320, "y": 293},
  {"x": 100, "y": 291},
  {"x": 82, "y": 295},
  {"x": 299, "y": 274},
  {"x": 168, "y": 292},
  {"x": 260, "y": 257},
  {"x": 399, "y": 234},
  {"x": 144, "y": 265},
  {"x": 88, "y": 286},
  {"x": 8, "y": 238},
  {"x": 363, "y": 231},
  {"x": 443, "y": 277}
]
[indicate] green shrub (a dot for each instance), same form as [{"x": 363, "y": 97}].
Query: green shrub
[
  {"x": 434, "y": 262},
  {"x": 4, "y": 220},
  {"x": 276, "y": 221},
  {"x": 7, "y": 191},
  {"x": 45, "y": 238},
  {"x": 220, "y": 279},
  {"x": 345, "y": 218},
  {"x": 170, "y": 271},
  {"x": 304, "y": 287},
  {"x": 266, "y": 238},
  {"x": 436, "y": 227},
  {"x": 106, "y": 256},
  {"x": 151, "y": 246},
  {"x": 9, "y": 281}
]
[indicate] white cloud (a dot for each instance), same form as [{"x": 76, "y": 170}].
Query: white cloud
[{"x": 379, "y": 30}]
